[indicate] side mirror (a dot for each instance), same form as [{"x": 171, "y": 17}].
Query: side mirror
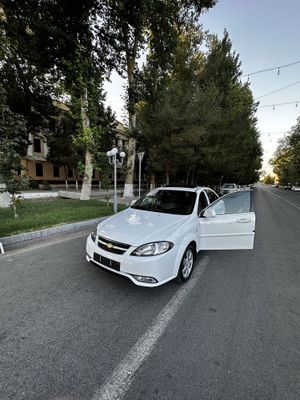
[{"x": 209, "y": 213}]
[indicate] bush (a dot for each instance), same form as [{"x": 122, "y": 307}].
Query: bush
[
  {"x": 33, "y": 185},
  {"x": 45, "y": 185}
]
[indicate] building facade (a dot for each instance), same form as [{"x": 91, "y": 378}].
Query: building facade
[{"x": 36, "y": 166}]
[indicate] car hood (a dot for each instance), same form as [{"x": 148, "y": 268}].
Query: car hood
[{"x": 137, "y": 227}]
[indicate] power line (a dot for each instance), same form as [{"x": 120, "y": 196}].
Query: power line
[
  {"x": 296, "y": 102},
  {"x": 278, "y": 90},
  {"x": 274, "y": 133},
  {"x": 271, "y": 69}
]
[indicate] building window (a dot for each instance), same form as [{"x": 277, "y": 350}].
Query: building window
[
  {"x": 70, "y": 173},
  {"x": 37, "y": 145},
  {"x": 39, "y": 169},
  {"x": 94, "y": 174},
  {"x": 55, "y": 171}
]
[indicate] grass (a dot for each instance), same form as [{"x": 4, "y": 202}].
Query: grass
[{"x": 39, "y": 214}]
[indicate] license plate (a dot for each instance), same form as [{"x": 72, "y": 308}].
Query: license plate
[{"x": 107, "y": 262}]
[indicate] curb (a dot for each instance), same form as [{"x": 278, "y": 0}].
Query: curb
[{"x": 22, "y": 237}]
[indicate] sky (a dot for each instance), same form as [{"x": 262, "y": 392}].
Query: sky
[{"x": 265, "y": 34}]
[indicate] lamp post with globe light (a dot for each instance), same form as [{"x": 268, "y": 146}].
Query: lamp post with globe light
[{"x": 113, "y": 160}]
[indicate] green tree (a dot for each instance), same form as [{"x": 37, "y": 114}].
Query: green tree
[
  {"x": 24, "y": 70},
  {"x": 50, "y": 46},
  {"x": 135, "y": 24},
  {"x": 268, "y": 180},
  {"x": 233, "y": 146},
  {"x": 13, "y": 138},
  {"x": 286, "y": 160},
  {"x": 168, "y": 116},
  {"x": 203, "y": 114}
]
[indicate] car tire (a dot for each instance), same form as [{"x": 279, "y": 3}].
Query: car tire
[{"x": 187, "y": 264}]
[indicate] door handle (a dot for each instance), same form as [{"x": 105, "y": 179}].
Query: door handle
[{"x": 243, "y": 220}]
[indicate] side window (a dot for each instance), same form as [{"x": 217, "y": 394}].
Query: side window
[
  {"x": 234, "y": 203},
  {"x": 212, "y": 196},
  {"x": 37, "y": 145},
  {"x": 202, "y": 202}
]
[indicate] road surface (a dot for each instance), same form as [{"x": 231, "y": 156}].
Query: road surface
[{"x": 69, "y": 331}]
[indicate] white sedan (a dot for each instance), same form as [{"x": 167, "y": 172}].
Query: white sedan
[{"x": 157, "y": 238}]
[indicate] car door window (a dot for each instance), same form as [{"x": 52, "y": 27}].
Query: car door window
[
  {"x": 234, "y": 203},
  {"x": 203, "y": 203},
  {"x": 212, "y": 196}
]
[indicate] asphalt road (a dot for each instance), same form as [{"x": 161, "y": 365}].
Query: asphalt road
[{"x": 69, "y": 331}]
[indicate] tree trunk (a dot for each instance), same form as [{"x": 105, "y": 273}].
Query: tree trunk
[
  {"x": 14, "y": 206},
  {"x": 128, "y": 187},
  {"x": 66, "y": 178},
  {"x": 167, "y": 176},
  {"x": 87, "y": 178},
  {"x": 152, "y": 181},
  {"x": 193, "y": 176},
  {"x": 187, "y": 176},
  {"x": 88, "y": 167}
]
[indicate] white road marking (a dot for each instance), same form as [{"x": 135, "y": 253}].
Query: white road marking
[
  {"x": 276, "y": 195},
  {"x": 119, "y": 381}
]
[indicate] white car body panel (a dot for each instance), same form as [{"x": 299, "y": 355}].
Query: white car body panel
[
  {"x": 227, "y": 232},
  {"x": 139, "y": 227}
]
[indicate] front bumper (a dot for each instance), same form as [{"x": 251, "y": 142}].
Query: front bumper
[{"x": 162, "y": 268}]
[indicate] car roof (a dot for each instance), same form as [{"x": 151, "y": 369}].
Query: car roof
[{"x": 182, "y": 188}]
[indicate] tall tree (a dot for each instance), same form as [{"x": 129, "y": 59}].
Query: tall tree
[
  {"x": 203, "y": 112},
  {"x": 49, "y": 41},
  {"x": 135, "y": 24},
  {"x": 286, "y": 160},
  {"x": 13, "y": 138}
]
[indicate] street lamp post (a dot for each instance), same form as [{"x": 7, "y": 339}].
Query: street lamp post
[
  {"x": 140, "y": 157},
  {"x": 113, "y": 160}
]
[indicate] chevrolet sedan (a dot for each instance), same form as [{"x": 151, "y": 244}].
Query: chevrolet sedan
[{"x": 158, "y": 237}]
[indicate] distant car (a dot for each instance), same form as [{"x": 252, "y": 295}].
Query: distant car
[
  {"x": 288, "y": 186},
  {"x": 228, "y": 188},
  {"x": 295, "y": 188},
  {"x": 157, "y": 238}
]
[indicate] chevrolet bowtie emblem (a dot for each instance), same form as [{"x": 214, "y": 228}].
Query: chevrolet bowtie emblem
[{"x": 110, "y": 245}]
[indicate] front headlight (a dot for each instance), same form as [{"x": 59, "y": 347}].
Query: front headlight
[{"x": 152, "y": 249}]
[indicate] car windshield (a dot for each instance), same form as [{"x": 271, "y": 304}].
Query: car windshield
[{"x": 167, "y": 201}]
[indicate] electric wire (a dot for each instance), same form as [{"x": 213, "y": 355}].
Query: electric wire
[
  {"x": 278, "y": 90},
  {"x": 296, "y": 102},
  {"x": 271, "y": 69}
]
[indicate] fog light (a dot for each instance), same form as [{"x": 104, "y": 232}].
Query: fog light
[{"x": 145, "y": 279}]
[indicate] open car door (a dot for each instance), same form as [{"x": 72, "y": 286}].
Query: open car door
[{"x": 228, "y": 223}]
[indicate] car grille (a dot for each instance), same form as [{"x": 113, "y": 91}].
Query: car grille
[
  {"x": 112, "y": 246},
  {"x": 107, "y": 262}
]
